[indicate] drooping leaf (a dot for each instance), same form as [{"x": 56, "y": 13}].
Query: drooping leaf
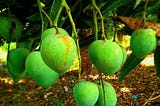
[
  {"x": 131, "y": 62},
  {"x": 157, "y": 60},
  {"x": 34, "y": 17},
  {"x": 54, "y": 9}
]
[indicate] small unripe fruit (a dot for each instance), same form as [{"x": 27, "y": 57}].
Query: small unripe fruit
[
  {"x": 143, "y": 42},
  {"x": 110, "y": 95},
  {"x": 58, "y": 52},
  {"x": 85, "y": 93},
  {"x": 39, "y": 71},
  {"x": 106, "y": 56}
]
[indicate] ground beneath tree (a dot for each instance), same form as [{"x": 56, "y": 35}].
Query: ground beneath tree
[{"x": 140, "y": 88}]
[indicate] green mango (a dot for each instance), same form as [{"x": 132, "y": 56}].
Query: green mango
[
  {"x": 143, "y": 42},
  {"x": 110, "y": 95},
  {"x": 58, "y": 52},
  {"x": 124, "y": 55},
  {"x": 106, "y": 56},
  {"x": 39, "y": 71},
  {"x": 16, "y": 63},
  {"x": 11, "y": 28},
  {"x": 85, "y": 93},
  {"x": 17, "y": 78},
  {"x": 52, "y": 31}
]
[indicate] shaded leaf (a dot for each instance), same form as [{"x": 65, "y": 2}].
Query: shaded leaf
[
  {"x": 112, "y": 4},
  {"x": 157, "y": 60},
  {"x": 55, "y": 8},
  {"x": 150, "y": 9},
  {"x": 131, "y": 62},
  {"x": 34, "y": 17}
]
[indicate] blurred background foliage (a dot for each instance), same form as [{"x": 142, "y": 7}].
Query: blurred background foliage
[{"x": 82, "y": 12}]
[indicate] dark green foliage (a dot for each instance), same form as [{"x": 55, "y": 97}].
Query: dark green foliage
[{"x": 10, "y": 28}]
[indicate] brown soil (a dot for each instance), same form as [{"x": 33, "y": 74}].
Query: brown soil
[{"x": 141, "y": 83}]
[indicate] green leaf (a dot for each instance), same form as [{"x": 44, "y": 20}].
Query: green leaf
[
  {"x": 131, "y": 62},
  {"x": 157, "y": 60},
  {"x": 112, "y": 4},
  {"x": 150, "y": 9},
  {"x": 54, "y": 9},
  {"x": 34, "y": 17}
]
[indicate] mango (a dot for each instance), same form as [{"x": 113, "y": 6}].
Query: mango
[
  {"x": 85, "y": 93},
  {"x": 106, "y": 56},
  {"x": 58, "y": 52},
  {"x": 39, "y": 71},
  {"x": 16, "y": 63},
  {"x": 110, "y": 95},
  {"x": 124, "y": 55},
  {"x": 52, "y": 31},
  {"x": 143, "y": 42},
  {"x": 11, "y": 28}
]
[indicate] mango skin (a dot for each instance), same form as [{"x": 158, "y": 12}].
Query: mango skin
[
  {"x": 16, "y": 63},
  {"x": 143, "y": 42},
  {"x": 58, "y": 52},
  {"x": 39, "y": 71},
  {"x": 110, "y": 94},
  {"x": 106, "y": 56},
  {"x": 85, "y": 93},
  {"x": 52, "y": 31},
  {"x": 124, "y": 55},
  {"x": 5, "y": 28}
]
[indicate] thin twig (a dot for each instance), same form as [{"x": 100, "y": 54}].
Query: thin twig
[
  {"x": 50, "y": 20},
  {"x": 95, "y": 19},
  {"x": 40, "y": 11},
  {"x": 144, "y": 14}
]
